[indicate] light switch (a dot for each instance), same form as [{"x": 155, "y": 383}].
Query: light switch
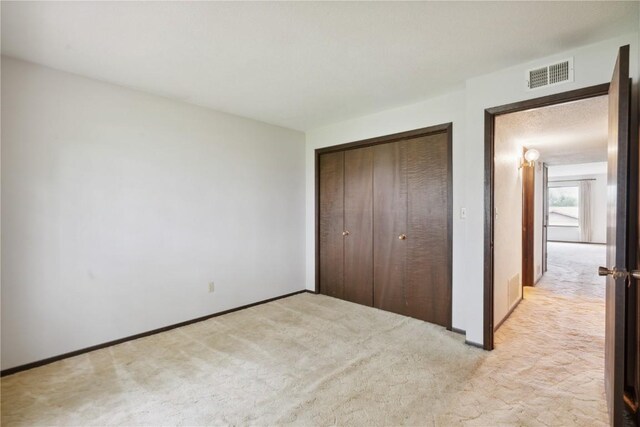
[{"x": 463, "y": 213}]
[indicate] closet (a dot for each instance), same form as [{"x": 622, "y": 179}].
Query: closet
[{"x": 384, "y": 223}]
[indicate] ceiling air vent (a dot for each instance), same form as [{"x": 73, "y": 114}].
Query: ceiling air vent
[{"x": 550, "y": 75}]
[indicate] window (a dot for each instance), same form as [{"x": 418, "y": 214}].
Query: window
[{"x": 563, "y": 206}]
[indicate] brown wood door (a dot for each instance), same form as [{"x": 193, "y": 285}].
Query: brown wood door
[
  {"x": 331, "y": 224},
  {"x": 528, "y": 236},
  {"x": 428, "y": 264},
  {"x": 390, "y": 219},
  {"x": 617, "y": 235},
  {"x": 358, "y": 222},
  {"x": 412, "y": 220}
]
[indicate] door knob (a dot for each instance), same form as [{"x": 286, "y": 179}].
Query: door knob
[
  {"x": 402, "y": 237},
  {"x": 617, "y": 274},
  {"x": 345, "y": 233},
  {"x": 603, "y": 271}
]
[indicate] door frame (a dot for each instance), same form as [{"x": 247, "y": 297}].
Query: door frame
[
  {"x": 489, "y": 151},
  {"x": 430, "y": 130}
]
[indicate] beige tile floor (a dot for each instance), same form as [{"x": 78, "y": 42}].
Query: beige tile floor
[{"x": 314, "y": 360}]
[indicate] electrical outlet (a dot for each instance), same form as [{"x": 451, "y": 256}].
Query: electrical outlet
[{"x": 211, "y": 287}]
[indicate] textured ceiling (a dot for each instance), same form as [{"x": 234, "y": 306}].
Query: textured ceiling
[
  {"x": 574, "y": 132},
  {"x": 301, "y": 64}
]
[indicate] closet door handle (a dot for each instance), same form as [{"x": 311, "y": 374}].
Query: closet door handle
[
  {"x": 402, "y": 237},
  {"x": 345, "y": 233}
]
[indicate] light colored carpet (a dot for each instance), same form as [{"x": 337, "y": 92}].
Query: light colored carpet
[
  {"x": 548, "y": 364},
  {"x": 573, "y": 270},
  {"x": 315, "y": 360}
]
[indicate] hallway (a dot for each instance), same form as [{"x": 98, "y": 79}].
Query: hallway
[
  {"x": 548, "y": 364},
  {"x": 571, "y": 270}
]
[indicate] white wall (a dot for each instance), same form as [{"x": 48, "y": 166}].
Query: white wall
[
  {"x": 562, "y": 171},
  {"x": 119, "y": 207},
  {"x": 465, "y": 108},
  {"x": 507, "y": 261},
  {"x": 563, "y": 234}
]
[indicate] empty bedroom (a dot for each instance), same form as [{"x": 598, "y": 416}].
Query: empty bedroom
[{"x": 313, "y": 213}]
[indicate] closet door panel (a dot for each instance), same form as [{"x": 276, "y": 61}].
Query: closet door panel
[
  {"x": 389, "y": 219},
  {"x": 358, "y": 220},
  {"x": 427, "y": 245},
  {"x": 331, "y": 219}
]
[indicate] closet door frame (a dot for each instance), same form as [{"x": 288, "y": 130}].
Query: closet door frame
[{"x": 431, "y": 130}]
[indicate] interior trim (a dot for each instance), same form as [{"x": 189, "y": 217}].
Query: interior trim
[
  {"x": 511, "y": 310},
  {"x": 445, "y": 127},
  {"x": 473, "y": 344}
]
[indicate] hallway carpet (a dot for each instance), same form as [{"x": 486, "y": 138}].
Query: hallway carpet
[
  {"x": 548, "y": 364},
  {"x": 315, "y": 360}
]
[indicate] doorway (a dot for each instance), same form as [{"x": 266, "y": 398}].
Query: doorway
[
  {"x": 620, "y": 349},
  {"x": 505, "y": 163},
  {"x": 550, "y": 170}
]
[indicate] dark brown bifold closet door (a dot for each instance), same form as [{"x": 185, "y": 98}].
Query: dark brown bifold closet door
[
  {"x": 358, "y": 222},
  {"x": 346, "y": 225},
  {"x": 428, "y": 249},
  {"x": 411, "y": 233},
  {"x": 390, "y": 219},
  {"x": 331, "y": 221}
]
